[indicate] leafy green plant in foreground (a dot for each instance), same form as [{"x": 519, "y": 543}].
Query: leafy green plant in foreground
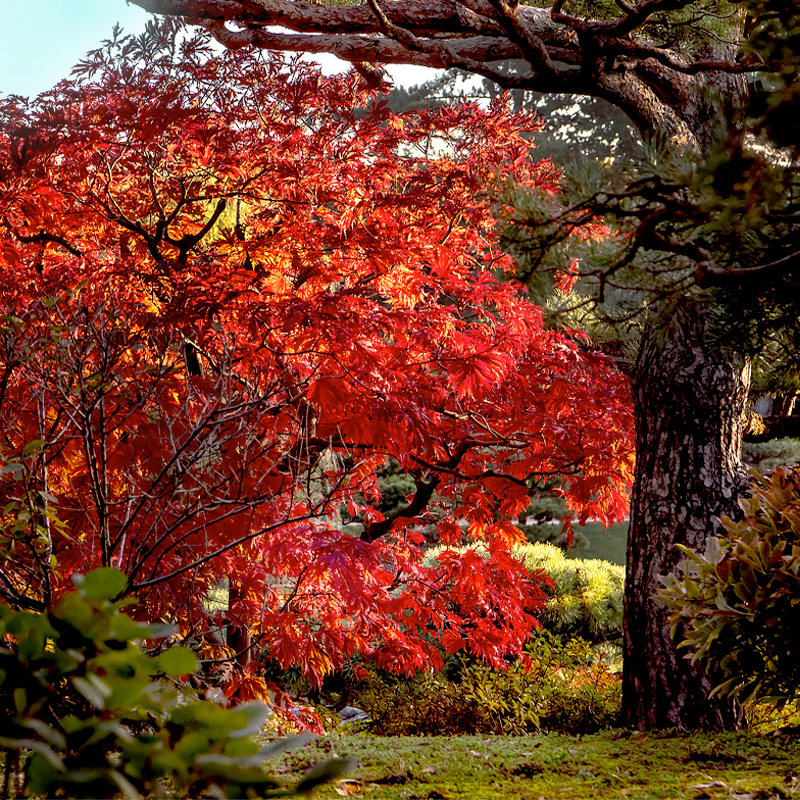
[
  {"x": 88, "y": 714},
  {"x": 738, "y": 604}
]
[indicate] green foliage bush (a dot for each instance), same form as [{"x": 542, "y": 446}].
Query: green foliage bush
[
  {"x": 586, "y": 594},
  {"x": 738, "y": 604},
  {"x": 395, "y": 485},
  {"x": 427, "y": 704},
  {"x": 86, "y": 713},
  {"x": 563, "y": 687},
  {"x": 551, "y": 533},
  {"x": 765, "y": 718}
]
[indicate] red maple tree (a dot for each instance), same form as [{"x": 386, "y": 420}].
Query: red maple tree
[{"x": 231, "y": 291}]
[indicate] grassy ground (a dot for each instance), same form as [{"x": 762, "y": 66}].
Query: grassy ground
[
  {"x": 609, "y": 544},
  {"x": 592, "y": 540},
  {"x": 741, "y": 766}
]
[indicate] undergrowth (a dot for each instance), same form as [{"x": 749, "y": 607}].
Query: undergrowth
[{"x": 557, "y": 686}]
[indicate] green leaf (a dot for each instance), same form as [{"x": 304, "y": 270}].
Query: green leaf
[
  {"x": 38, "y": 747},
  {"x": 178, "y": 661},
  {"x": 256, "y": 715},
  {"x": 123, "y": 628},
  {"x": 72, "y": 724},
  {"x": 127, "y": 789},
  {"x": 243, "y": 748},
  {"x": 94, "y": 690},
  {"x": 85, "y": 776},
  {"x": 103, "y": 583},
  {"x": 289, "y": 743},
  {"x": 326, "y": 771},
  {"x": 162, "y": 630},
  {"x": 32, "y": 447},
  {"x": 46, "y": 732},
  {"x": 44, "y": 770},
  {"x": 20, "y": 700}
]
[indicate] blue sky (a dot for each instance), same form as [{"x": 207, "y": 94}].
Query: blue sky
[{"x": 41, "y": 40}]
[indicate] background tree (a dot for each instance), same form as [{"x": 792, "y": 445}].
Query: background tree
[
  {"x": 677, "y": 70},
  {"x": 231, "y": 294},
  {"x": 590, "y": 139}
]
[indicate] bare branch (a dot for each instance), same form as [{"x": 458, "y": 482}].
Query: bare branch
[
  {"x": 132, "y": 588},
  {"x": 712, "y": 274},
  {"x": 42, "y": 237}
]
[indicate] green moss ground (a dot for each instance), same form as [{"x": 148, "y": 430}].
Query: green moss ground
[{"x": 740, "y": 766}]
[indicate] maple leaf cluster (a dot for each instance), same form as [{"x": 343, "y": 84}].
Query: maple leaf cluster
[{"x": 232, "y": 289}]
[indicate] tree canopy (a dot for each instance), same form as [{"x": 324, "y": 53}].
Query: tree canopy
[{"x": 232, "y": 290}]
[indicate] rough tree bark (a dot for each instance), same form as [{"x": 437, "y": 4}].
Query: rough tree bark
[
  {"x": 689, "y": 402},
  {"x": 689, "y": 406}
]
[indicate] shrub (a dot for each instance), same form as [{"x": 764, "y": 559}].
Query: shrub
[
  {"x": 552, "y": 533},
  {"x": 426, "y": 704},
  {"x": 584, "y": 596},
  {"x": 558, "y": 686},
  {"x": 738, "y": 604},
  {"x": 766, "y": 456},
  {"x": 88, "y": 714},
  {"x": 583, "y": 699},
  {"x": 765, "y": 718}
]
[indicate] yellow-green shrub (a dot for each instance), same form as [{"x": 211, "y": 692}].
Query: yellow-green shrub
[{"x": 586, "y": 594}]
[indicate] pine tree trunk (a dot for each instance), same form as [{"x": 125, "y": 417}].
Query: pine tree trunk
[{"x": 690, "y": 404}]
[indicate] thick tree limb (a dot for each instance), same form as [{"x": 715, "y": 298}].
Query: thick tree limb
[
  {"x": 659, "y": 88},
  {"x": 438, "y": 34},
  {"x": 371, "y": 49},
  {"x": 511, "y": 27}
]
